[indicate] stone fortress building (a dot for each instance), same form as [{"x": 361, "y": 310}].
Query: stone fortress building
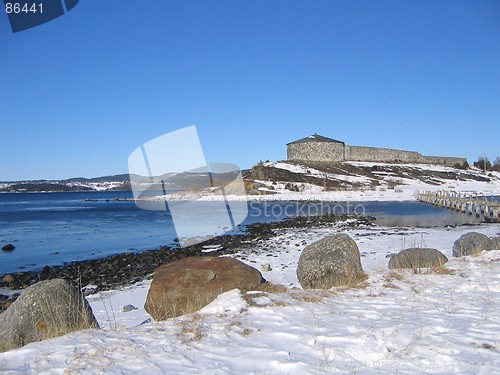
[{"x": 316, "y": 148}]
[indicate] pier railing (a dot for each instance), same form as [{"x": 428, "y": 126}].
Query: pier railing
[{"x": 473, "y": 204}]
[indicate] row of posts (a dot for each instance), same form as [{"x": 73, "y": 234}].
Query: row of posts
[{"x": 470, "y": 203}]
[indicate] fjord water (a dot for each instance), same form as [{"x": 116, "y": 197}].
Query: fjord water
[{"x": 53, "y": 228}]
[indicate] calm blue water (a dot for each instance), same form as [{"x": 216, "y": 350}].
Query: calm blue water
[{"x": 52, "y": 228}]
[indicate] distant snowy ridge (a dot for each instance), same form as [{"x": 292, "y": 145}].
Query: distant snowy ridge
[{"x": 118, "y": 182}]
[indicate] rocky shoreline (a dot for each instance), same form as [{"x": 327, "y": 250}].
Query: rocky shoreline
[{"x": 127, "y": 268}]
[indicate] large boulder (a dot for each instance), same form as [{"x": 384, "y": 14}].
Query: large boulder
[
  {"x": 329, "y": 262},
  {"x": 415, "y": 258},
  {"x": 494, "y": 243},
  {"x": 47, "y": 309},
  {"x": 471, "y": 243},
  {"x": 187, "y": 285}
]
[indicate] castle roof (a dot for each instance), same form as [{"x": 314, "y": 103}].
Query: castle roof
[{"x": 315, "y": 138}]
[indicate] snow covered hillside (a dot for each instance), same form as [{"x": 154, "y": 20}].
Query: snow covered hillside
[
  {"x": 443, "y": 321},
  {"x": 369, "y": 181},
  {"x": 352, "y": 181}
]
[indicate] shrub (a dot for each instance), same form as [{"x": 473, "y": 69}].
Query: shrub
[
  {"x": 483, "y": 163},
  {"x": 464, "y": 165}
]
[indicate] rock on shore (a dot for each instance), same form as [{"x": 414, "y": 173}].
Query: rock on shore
[
  {"x": 189, "y": 284},
  {"x": 47, "y": 309},
  {"x": 332, "y": 261}
]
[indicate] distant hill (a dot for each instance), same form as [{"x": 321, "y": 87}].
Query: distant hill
[
  {"x": 119, "y": 182},
  {"x": 105, "y": 183},
  {"x": 43, "y": 186},
  {"x": 115, "y": 178}
]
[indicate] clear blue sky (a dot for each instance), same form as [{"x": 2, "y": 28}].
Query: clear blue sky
[{"x": 80, "y": 93}]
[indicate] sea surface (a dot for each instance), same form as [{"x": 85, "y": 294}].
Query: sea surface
[{"x": 53, "y": 228}]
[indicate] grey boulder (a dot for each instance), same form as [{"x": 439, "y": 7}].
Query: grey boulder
[
  {"x": 47, "y": 309},
  {"x": 330, "y": 262},
  {"x": 494, "y": 243},
  {"x": 415, "y": 258},
  {"x": 471, "y": 243}
]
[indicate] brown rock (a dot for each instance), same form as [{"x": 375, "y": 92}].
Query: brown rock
[
  {"x": 8, "y": 279},
  {"x": 187, "y": 285}
]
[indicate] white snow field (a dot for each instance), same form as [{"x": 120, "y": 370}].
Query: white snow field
[{"x": 444, "y": 321}]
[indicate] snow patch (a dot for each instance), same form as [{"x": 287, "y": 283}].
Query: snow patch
[{"x": 228, "y": 302}]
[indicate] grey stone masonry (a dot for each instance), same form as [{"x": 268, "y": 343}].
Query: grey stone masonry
[
  {"x": 319, "y": 151},
  {"x": 322, "y": 149}
]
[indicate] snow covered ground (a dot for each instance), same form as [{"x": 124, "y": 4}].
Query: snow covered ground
[{"x": 397, "y": 322}]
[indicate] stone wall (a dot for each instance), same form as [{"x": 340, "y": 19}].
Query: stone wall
[
  {"x": 338, "y": 151},
  {"x": 444, "y": 160},
  {"x": 383, "y": 155},
  {"x": 316, "y": 151}
]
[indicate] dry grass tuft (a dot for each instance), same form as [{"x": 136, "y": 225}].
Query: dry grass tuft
[
  {"x": 390, "y": 277},
  {"x": 272, "y": 295},
  {"x": 267, "y": 290},
  {"x": 311, "y": 295},
  {"x": 359, "y": 282},
  {"x": 242, "y": 331},
  {"x": 192, "y": 328},
  {"x": 255, "y": 300},
  {"x": 433, "y": 270},
  {"x": 246, "y": 332},
  {"x": 271, "y": 288},
  {"x": 394, "y": 276},
  {"x": 391, "y": 286},
  {"x": 250, "y": 298},
  {"x": 440, "y": 270}
]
